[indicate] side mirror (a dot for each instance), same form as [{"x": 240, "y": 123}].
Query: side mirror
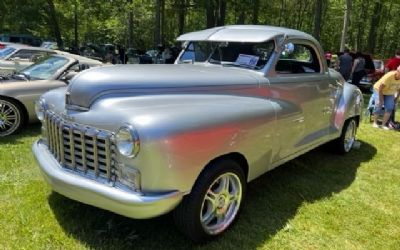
[{"x": 68, "y": 76}]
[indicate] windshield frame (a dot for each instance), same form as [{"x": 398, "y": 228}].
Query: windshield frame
[
  {"x": 213, "y": 51},
  {"x": 56, "y": 72}
]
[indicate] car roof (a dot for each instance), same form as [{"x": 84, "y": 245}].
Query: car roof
[
  {"x": 23, "y": 46},
  {"x": 242, "y": 33}
]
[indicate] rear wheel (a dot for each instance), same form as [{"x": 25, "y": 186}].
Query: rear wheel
[
  {"x": 11, "y": 117},
  {"x": 214, "y": 203},
  {"x": 346, "y": 140}
]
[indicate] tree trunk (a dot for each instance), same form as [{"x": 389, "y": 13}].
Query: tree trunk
[
  {"x": 346, "y": 19},
  {"x": 376, "y": 17},
  {"x": 242, "y": 17},
  {"x": 210, "y": 14},
  {"x": 76, "y": 38},
  {"x": 383, "y": 33},
  {"x": 54, "y": 23},
  {"x": 181, "y": 5},
  {"x": 317, "y": 19},
  {"x": 130, "y": 24},
  {"x": 256, "y": 9},
  {"x": 281, "y": 10},
  {"x": 162, "y": 21},
  {"x": 157, "y": 39},
  {"x": 221, "y": 12}
]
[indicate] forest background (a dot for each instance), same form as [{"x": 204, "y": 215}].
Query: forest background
[{"x": 370, "y": 26}]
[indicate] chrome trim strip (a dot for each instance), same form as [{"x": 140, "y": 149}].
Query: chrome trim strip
[
  {"x": 56, "y": 120},
  {"x": 95, "y": 155},
  {"x": 83, "y": 150},
  {"x": 71, "y": 146},
  {"x": 108, "y": 157},
  {"x": 61, "y": 138},
  {"x": 76, "y": 108}
]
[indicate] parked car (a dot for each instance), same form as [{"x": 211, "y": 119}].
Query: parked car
[
  {"x": 21, "y": 38},
  {"x": 142, "y": 140},
  {"x": 368, "y": 81},
  {"x": 16, "y": 57},
  {"x": 4, "y": 44},
  {"x": 19, "y": 91},
  {"x": 372, "y": 72}
]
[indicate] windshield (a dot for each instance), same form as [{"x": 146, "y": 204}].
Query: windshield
[
  {"x": 45, "y": 69},
  {"x": 248, "y": 55},
  {"x": 6, "y": 51}
]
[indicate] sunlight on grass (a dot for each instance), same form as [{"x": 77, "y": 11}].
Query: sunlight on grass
[{"x": 317, "y": 201}]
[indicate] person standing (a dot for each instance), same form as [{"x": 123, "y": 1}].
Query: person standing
[
  {"x": 345, "y": 64},
  {"x": 358, "y": 70},
  {"x": 393, "y": 62},
  {"x": 328, "y": 57},
  {"x": 121, "y": 54},
  {"x": 385, "y": 90}
]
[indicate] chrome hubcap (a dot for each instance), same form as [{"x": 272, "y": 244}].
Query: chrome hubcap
[
  {"x": 9, "y": 118},
  {"x": 350, "y": 136},
  {"x": 221, "y": 203}
]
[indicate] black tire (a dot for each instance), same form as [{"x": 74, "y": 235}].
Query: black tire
[
  {"x": 345, "y": 142},
  {"x": 188, "y": 216},
  {"x": 11, "y": 117}
]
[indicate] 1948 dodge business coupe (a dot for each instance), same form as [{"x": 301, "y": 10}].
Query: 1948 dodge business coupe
[{"x": 142, "y": 140}]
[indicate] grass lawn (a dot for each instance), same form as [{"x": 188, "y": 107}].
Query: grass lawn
[{"x": 318, "y": 201}]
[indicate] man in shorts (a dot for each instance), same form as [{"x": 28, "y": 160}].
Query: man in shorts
[{"x": 386, "y": 92}]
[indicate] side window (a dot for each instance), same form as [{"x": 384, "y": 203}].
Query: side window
[
  {"x": 298, "y": 58},
  {"x": 29, "y": 55}
]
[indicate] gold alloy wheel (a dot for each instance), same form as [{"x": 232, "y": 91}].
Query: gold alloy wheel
[{"x": 221, "y": 203}]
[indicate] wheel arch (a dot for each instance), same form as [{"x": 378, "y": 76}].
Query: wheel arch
[{"x": 235, "y": 156}]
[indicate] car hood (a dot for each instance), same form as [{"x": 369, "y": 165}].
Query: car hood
[{"x": 130, "y": 80}]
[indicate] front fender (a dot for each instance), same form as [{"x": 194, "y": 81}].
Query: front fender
[{"x": 181, "y": 134}]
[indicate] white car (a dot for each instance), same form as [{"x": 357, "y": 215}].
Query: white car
[{"x": 15, "y": 57}]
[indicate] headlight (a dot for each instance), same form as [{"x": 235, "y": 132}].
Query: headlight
[
  {"x": 40, "y": 107},
  {"x": 127, "y": 141}
]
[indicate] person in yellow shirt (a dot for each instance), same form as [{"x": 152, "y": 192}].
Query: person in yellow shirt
[{"x": 386, "y": 92}]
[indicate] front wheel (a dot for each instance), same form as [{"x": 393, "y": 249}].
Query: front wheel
[
  {"x": 346, "y": 140},
  {"x": 214, "y": 203},
  {"x": 10, "y": 117}
]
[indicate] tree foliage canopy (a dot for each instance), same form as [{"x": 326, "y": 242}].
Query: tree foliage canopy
[{"x": 372, "y": 24}]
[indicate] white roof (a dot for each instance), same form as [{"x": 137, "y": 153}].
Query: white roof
[{"x": 241, "y": 33}]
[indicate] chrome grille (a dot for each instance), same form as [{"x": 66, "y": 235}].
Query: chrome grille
[{"x": 81, "y": 148}]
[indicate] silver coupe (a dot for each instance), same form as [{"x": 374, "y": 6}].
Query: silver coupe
[{"x": 143, "y": 140}]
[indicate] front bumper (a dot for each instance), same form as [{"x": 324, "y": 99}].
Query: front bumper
[{"x": 90, "y": 192}]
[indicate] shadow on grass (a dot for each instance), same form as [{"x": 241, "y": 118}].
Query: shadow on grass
[
  {"x": 27, "y": 131},
  {"x": 272, "y": 200}
]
